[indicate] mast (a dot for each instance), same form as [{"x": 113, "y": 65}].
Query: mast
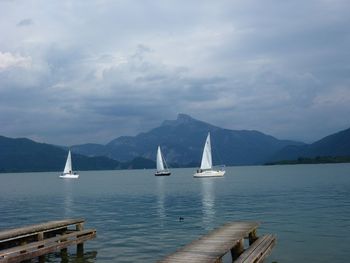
[{"x": 206, "y": 157}]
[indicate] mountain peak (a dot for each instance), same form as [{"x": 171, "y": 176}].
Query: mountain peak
[
  {"x": 184, "y": 117},
  {"x": 181, "y": 119}
]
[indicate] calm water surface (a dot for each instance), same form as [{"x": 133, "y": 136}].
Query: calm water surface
[{"x": 136, "y": 214}]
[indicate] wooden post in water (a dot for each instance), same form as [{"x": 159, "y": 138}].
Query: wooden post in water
[
  {"x": 41, "y": 237},
  {"x": 64, "y": 251},
  {"x": 22, "y": 243},
  {"x": 237, "y": 249},
  {"x": 64, "y": 254},
  {"x": 252, "y": 237},
  {"x": 80, "y": 247}
]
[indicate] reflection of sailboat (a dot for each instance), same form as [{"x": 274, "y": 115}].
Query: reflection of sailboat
[
  {"x": 208, "y": 202},
  {"x": 67, "y": 172},
  {"x": 162, "y": 168},
  {"x": 206, "y": 169},
  {"x": 161, "y": 197},
  {"x": 68, "y": 198}
]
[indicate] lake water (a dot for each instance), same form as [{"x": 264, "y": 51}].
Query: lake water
[{"x": 137, "y": 214}]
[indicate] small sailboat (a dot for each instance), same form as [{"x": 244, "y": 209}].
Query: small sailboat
[
  {"x": 206, "y": 169},
  {"x": 68, "y": 172},
  {"x": 162, "y": 169}
]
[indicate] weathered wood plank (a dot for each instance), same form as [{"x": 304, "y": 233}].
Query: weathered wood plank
[
  {"x": 214, "y": 245},
  {"x": 35, "y": 229},
  {"x": 38, "y": 244},
  {"x": 46, "y": 246},
  {"x": 260, "y": 249}
]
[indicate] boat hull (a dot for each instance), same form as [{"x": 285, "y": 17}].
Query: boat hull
[
  {"x": 162, "y": 173},
  {"x": 69, "y": 176},
  {"x": 209, "y": 173}
]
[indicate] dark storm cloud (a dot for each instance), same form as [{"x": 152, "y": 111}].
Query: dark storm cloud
[{"x": 91, "y": 71}]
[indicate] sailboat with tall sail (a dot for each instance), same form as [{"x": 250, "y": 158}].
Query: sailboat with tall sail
[
  {"x": 68, "y": 171},
  {"x": 162, "y": 169},
  {"x": 206, "y": 169}
]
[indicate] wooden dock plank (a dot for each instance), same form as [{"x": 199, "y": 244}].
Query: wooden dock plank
[
  {"x": 48, "y": 241},
  {"x": 260, "y": 249},
  {"x": 35, "y": 229},
  {"x": 54, "y": 244},
  {"x": 214, "y": 245},
  {"x": 37, "y": 240}
]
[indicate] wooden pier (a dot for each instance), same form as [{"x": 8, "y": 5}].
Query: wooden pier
[
  {"x": 228, "y": 238},
  {"x": 37, "y": 240}
]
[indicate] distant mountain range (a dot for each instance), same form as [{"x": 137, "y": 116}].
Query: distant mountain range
[
  {"x": 337, "y": 144},
  {"x": 182, "y": 145},
  {"x": 24, "y": 155}
]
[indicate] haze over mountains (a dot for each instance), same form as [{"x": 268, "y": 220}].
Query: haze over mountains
[{"x": 182, "y": 145}]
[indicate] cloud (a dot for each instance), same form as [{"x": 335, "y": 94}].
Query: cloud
[
  {"x": 25, "y": 22},
  {"x": 92, "y": 71},
  {"x": 8, "y": 60}
]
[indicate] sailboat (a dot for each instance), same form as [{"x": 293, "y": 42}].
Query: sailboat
[
  {"x": 206, "y": 169},
  {"x": 68, "y": 172},
  {"x": 162, "y": 169}
]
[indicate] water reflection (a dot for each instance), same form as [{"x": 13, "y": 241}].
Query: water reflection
[
  {"x": 208, "y": 201},
  {"x": 67, "y": 197},
  {"x": 87, "y": 257},
  {"x": 161, "y": 197}
]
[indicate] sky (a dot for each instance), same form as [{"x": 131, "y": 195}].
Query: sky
[{"x": 81, "y": 71}]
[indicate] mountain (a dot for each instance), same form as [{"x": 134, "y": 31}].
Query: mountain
[
  {"x": 24, "y": 155},
  {"x": 337, "y": 144},
  {"x": 182, "y": 143}
]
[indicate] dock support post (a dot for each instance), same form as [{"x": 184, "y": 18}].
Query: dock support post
[
  {"x": 41, "y": 237},
  {"x": 22, "y": 243},
  {"x": 80, "y": 246},
  {"x": 64, "y": 255},
  {"x": 64, "y": 252},
  {"x": 79, "y": 226},
  {"x": 237, "y": 249},
  {"x": 252, "y": 237},
  {"x": 80, "y": 249},
  {"x": 42, "y": 259}
]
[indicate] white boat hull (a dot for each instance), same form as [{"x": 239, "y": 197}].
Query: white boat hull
[
  {"x": 209, "y": 173},
  {"x": 69, "y": 176}
]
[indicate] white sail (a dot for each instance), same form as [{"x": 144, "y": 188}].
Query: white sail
[
  {"x": 162, "y": 168},
  {"x": 206, "y": 157},
  {"x": 206, "y": 169},
  {"x": 68, "y": 166},
  {"x": 160, "y": 164}
]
